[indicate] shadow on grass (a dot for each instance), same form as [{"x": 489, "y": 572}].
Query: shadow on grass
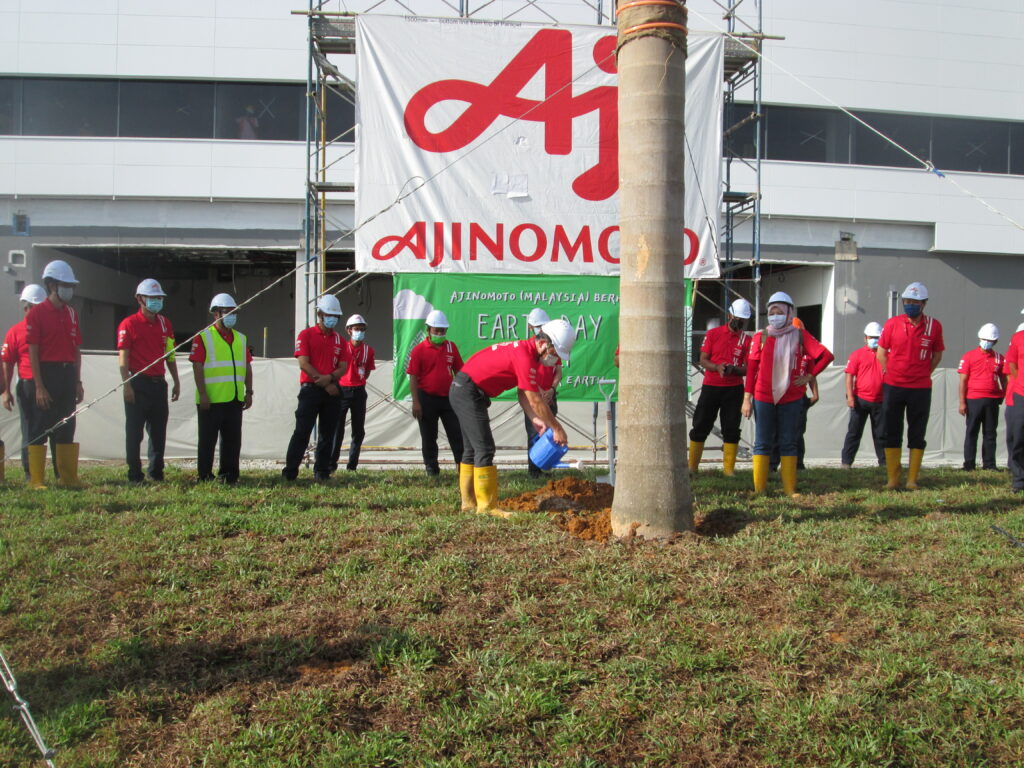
[{"x": 905, "y": 505}]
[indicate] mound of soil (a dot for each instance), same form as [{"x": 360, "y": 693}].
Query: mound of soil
[{"x": 579, "y": 507}]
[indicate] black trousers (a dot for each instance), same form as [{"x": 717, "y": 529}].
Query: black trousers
[
  {"x": 860, "y": 414},
  {"x": 470, "y": 405},
  {"x": 316, "y": 408},
  {"x": 532, "y": 436},
  {"x": 801, "y": 446},
  {"x": 1015, "y": 441},
  {"x": 353, "y": 401},
  {"x": 983, "y": 416},
  {"x": 916, "y": 403},
  {"x": 714, "y": 403},
  {"x": 61, "y": 381},
  {"x": 148, "y": 412},
  {"x": 436, "y": 408},
  {"x": 224, "y": 421},
  {"x": 25, "y": 393}
]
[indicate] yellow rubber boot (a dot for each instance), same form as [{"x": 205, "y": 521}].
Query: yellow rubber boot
[
  {"x": 485, "y": 483},
  {"x": 696, "y": 451},
  {"x": 37, "y": 467},
  {"x": 466, "y": 487},
  {"x": 67, "y": 463},
  {"x": 893, "y": 468},
  {"x": 760, "y": 473},
  {"x": 729, "y": 451},
  {"x": 787, "y": 468},
  {"x": 914, "y": 469}
]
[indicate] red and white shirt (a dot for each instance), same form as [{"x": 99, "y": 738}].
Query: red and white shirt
[
  {"x": 324, "y": 348},
  {"x": 813, "y": 358},
  {"x": 55, "y": 330},
  {"x": 361, "y": 362},
  {"x": 500, "y": 367},
  {"x": 1015, "y": 355},
  {"x": 146, "y": 340},
  {"x": 725, "y": 347},
  {"x": 910, "y": 350},
  {"x": 434, "y": 366},
  {"x": 546, "y": 375},
  {"x": 983, "y": 370},
  {"x": 863, "y": 365},
  {"x": 15, "y": 351}
]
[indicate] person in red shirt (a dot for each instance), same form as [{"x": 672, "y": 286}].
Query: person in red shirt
[
  {"x": 487, "y": 374},
  {"x": 353, "y": 392},
  {"x": 323, "y": 359},
  {"x": 864, "y": 397},
  {"x": 909, "y": 349},
  {"x": 433, "y": 364},
  {"x": 723, "y": 357},
  {"x": 15, "y": 359},
  {"x": 982, "y": 388},
  {"x": 1015, "y": 410},
  {"x": 54, "y": 347},
  {"x": 548, "y": 379},
  {"x": 783, "y": 360},
  {"x": 144, "y": 340},
  {"x": 223, "y": 390}
]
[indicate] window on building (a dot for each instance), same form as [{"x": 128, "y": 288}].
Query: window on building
[
  {"x": 970, "y": 145},
  {"x": 10, "y": 106},
  {"x": 1017, "y": 149},
  {"x": 260, "y": 112},
  {"x": 910, "y": 131},
  {"x": 341, "y": 116},
  {"x": 69, "y": 107},
  {"x": 739, "y": 139},
  {"x": 166, "y": 109},
  {"x": 807, "y": 134}
]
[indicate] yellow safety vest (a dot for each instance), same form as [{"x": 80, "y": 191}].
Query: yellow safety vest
[{"x": 224, "y": 368}]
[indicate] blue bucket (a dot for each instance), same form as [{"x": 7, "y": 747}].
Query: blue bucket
[{"x": 546, "y": 453}]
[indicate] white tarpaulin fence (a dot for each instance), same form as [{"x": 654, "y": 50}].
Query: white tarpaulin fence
[{"x": 508, "y": 134}]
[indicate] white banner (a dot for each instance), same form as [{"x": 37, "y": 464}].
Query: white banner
[{"x": 506, "y": 136}]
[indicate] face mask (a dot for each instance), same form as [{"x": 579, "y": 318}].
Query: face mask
[
  {"x": 330, "y": 321},
  {"x": 912, "y": 310},
  {"x": 872, "y": 343},
  {"x": 437, "y": 339},
  {"x": 776, "y": 321},
  {"x": 65, "y": 293},
  {"x": 229, "y": 320},
  {"x": 737, "y": 324},
  {"x": 987, "y": 345},
  {"x": 154, "y": 305},
  {"x": 358, "y": 335},
  {"x": 549, "y": 360}
]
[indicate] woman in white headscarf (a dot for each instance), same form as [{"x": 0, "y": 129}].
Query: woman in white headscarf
[{"x": 783, "y": 360}]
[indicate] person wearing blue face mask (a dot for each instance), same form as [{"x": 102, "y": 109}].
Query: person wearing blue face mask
[
  {"x": 353, "y": 392},
  {"x": 909, "y": 349},
  {"x": 982, "y": 388},
  {"x": 145, "y": 342},
  {"x": 864, "y": 398}
]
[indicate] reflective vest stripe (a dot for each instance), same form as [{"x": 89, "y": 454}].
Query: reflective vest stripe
[{"x": 224, "y": 368}]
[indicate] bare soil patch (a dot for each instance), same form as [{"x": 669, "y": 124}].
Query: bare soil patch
[{"x": 581, "y": 508}]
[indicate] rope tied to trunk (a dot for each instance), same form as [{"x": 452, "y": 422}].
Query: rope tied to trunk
[{"x": 666, "y": 19}]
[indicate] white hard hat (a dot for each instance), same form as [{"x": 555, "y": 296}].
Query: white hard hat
[
  {"x": 537, "y": 317},
  {"x": 60, "y": 271},
  {"x": 1020, "y": 328},
  {"x": 329, "y": 305},
  {"x": 149, "y": 287},
  {"x": 916, "y": 291},
  {"x": 436, "y": 319},
  {"x": 33, "y": 294},
  {"x": 781, "y": 297},
  {"x": 222, "y": 301},
  {"x": 740, "y": 308},
  {"x": 562, "y": 336},
  {"x": 873, "y": 329},
  {"x": 355, "y": 320},
  {"x": 989, "y": 332}
]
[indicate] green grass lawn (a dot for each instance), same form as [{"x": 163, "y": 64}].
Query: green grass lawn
[{"x": 368, "y": 623}]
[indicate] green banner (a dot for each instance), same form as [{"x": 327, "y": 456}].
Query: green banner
[{"x": 489, "y": 309}]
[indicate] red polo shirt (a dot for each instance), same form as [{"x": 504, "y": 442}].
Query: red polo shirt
[
  {"x": 725, "y": 348},
  {"x": 15, "y": 350},
  {"x": 813, "y": 360},
  {"x": 55, "y": 331},
  {"x": 198, "y": 352},
  {"x": 867, "y": 372},
  {"x": 1015, "y": 355},
  {"x": 500, "y": 367},
  {"x": 546, "y": 375},
  {"x": 361, "y": 362},
  {"x": 146, "y": 341},
  {"x": 323, "y": 348},
  {"x": 434, "y": 365},
  {"x": 982, "y": 370},
  {"x": 910, "y": 349}
]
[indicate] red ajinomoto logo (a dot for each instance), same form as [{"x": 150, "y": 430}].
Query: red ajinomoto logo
[{"x": 549, "y": 50}]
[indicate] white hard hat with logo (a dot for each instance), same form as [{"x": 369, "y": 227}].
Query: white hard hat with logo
[
  {"x": 33, "y": 294},
  {"x": 562, "y": 336},
  {"x": 329, "y": 305},
  {"x": 873, "y": 329},
  {"x": 740, "y": 308},
  {"x": 989, "y": 332},
  {"x": 537, "y": 317},
  {"x": 781, "y": 297},
  {"x": 436, "y": 319},
  {"x": 916, "y": 291},
  {"x": 149, "y": 287},
  {"x": 60, "y": 271},
  {"x": 355, "y": 320},
  {"x": 222, "y": 301}
]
